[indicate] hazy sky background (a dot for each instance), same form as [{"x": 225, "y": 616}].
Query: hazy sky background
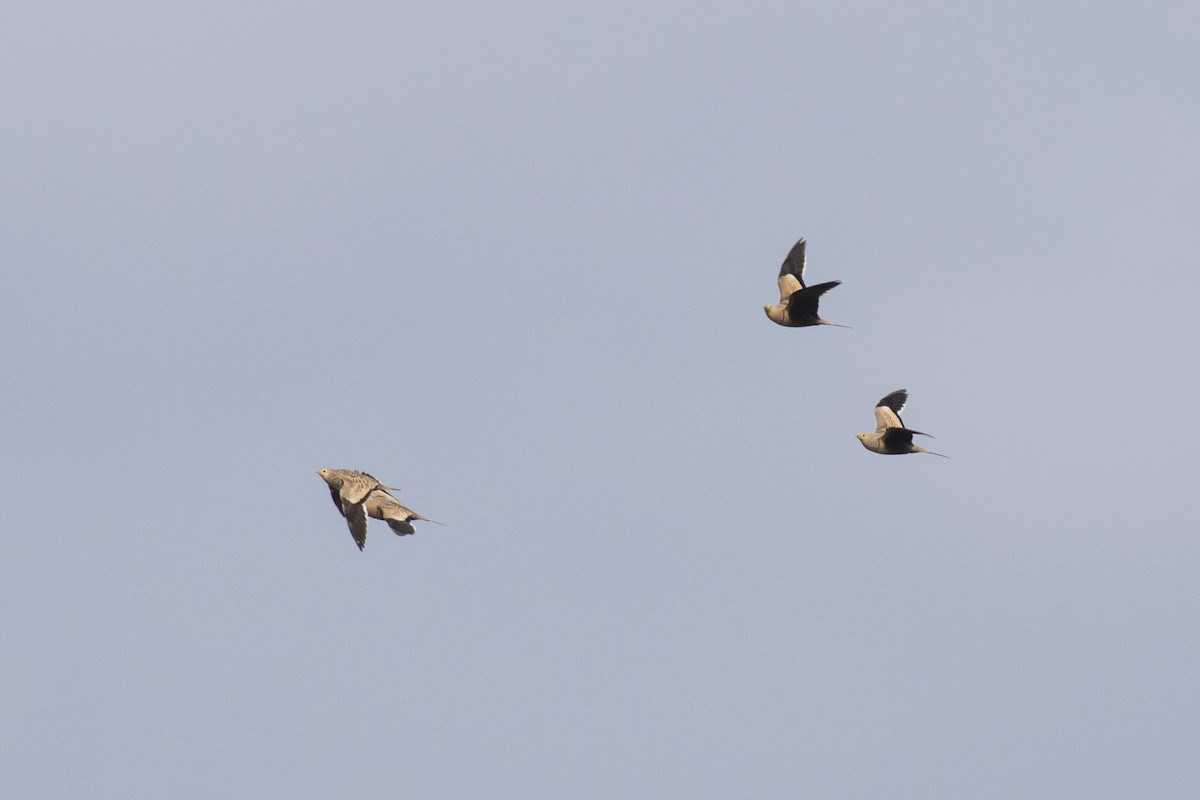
[{"x": 512, "y": 258}]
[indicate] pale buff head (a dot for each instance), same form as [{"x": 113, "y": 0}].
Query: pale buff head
[
  {"x": 869, "y": 441},
  {"x": 776, "y": 314}
]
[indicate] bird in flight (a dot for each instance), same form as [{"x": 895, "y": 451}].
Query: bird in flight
[
  {"x": 797, "y": 306},
  {"x": 350, "y": 490},
  {"x": 891, "y": 437}
]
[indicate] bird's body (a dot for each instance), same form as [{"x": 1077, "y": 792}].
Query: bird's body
[
  {"x": 797, "y": 307},
  {"x": 891, "y": 437},
  {"x": 381, "y": 505},
  {"x": 350, "y": 490}
]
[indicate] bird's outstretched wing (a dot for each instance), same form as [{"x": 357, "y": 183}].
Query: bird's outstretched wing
[
  {"x": 896, "y": 439},
  {"x": 901, "y": 438},
  {"x": 794, "y": 263},
  {"x": 804, "y": 302},
  {"x": 356, "y": 520},
  {"x": 887, "y": 411},
  {"x": 337, "y": 500}
]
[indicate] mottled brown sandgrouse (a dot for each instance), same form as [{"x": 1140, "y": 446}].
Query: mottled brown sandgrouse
[
  {"x": 891, "y": 438},
  {"x": 350, "y": 490},
  {"x": 797, "y": 306}
]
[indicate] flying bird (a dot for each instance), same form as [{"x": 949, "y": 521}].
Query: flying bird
[
  {"x": 891, "y": 437},
  {"x": 797, "y": 302},
  {"x": 350, "y": 490},
  {"x": 381, "y": 505}
]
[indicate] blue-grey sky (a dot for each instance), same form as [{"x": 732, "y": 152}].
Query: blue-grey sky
[{"x": 512, "y": 259}]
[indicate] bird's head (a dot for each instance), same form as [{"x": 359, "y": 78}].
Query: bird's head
[
  {"x": 862, "y": 437},
  {"x": 325, "y": 474}
]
